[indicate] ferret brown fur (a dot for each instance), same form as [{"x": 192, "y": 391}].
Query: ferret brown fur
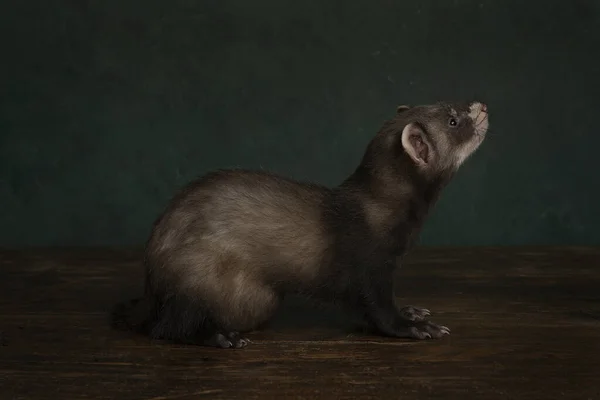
[{"x": 231, "y": 244}]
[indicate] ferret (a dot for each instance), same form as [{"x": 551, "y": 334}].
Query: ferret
[{"x": 231, "y": 244}]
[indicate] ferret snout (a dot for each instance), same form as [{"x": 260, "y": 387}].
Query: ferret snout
[
  {"x": 479, "y": 114},
  {"x": 476, "y": 108}
]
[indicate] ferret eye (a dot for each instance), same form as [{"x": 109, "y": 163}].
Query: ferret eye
[{"x": 452, "y": 122}]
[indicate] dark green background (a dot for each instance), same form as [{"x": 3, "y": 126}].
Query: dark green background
[{"x": 107, "y": 107}]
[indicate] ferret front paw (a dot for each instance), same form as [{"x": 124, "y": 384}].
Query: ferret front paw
[
  {"x": 412, "y": 313},
  {"x": 428, "y": 330}
]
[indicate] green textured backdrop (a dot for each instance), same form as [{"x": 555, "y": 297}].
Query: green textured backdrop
[{"x": 107, "y": 107}]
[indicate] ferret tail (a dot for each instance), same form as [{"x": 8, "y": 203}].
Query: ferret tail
[{"x": 133, "y": 315}]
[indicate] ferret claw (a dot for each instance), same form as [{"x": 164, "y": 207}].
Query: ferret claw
[
  {"x": 413, "y": 313},
  {"x": 418, "y": 334}
]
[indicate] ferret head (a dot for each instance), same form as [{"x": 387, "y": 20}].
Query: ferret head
[{"x": 438, "y": 137}]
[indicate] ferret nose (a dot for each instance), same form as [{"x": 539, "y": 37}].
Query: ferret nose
[{"x": 477, "y": 110}]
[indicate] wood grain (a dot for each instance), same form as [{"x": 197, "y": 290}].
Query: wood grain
[{"x": 525, "y": 324}]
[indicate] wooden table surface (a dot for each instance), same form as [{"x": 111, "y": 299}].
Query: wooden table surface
[{"x": 525, "y": 324}]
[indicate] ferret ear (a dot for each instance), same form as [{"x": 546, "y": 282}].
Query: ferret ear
[
  {"x": 402, "y": 108},
  {"x": 416, "y": 144}
]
